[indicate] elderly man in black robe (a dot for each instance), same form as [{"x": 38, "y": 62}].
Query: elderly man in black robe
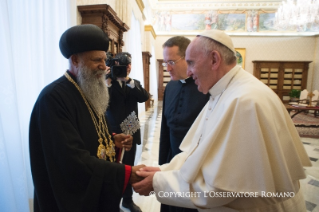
[{"x": 72, "y": 150}]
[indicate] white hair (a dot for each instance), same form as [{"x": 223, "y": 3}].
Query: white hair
[{"x": 94, "y": 88}]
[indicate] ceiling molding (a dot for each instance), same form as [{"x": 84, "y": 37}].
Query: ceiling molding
[
  {"x": 214, "y": 1},
  {"x": 149, "y": 28},
  {"x": 140, "y": 5},
  {"x": 251, "y": 34},
  {"x": 213, "y": 4}
]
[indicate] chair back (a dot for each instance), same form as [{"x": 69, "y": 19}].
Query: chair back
[
  {"x": 315, "y": 98},
  {"x": 303, "y": 97}
]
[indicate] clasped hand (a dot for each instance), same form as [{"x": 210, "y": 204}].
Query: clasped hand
[{"x": 145, "y": 186}]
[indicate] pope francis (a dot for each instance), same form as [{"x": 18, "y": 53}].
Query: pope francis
[{"x": 242, "y": 153}]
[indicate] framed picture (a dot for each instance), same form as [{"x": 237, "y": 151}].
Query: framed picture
[{"x": 241, "y": 56}]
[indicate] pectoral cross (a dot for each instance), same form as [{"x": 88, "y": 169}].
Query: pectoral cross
[{"x": 129, "y": 126}]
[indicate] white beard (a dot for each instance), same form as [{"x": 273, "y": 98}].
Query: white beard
[{"x": 94, "y": 88}]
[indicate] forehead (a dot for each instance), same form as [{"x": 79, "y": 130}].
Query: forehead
[
  {"x": 170, "y": 51},
  {"x": 193, "y": 50}
]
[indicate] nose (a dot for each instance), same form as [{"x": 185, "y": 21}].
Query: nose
[
  {"x": 189, "y": 73},
  {"x": 102, "y": 66},
  {"x": 169, "y": 67}
]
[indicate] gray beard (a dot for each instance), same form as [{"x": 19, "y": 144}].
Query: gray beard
[{"x": 94, "y": 89}]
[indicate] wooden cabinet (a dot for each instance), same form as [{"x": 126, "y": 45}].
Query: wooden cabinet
[
  {"x": 282, "y": 76},
  {"x": 163, "y": 78},
  {"x": 146, "y": 70},
  {"x": 103, "y": 16}
]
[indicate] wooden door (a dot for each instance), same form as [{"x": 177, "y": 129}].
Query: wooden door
[{"x": 146, "y": 69}]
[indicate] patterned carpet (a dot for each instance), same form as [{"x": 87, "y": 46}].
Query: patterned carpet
[
  {"x": 306, "y": 119},
  {"x": 307, "y": 125}
]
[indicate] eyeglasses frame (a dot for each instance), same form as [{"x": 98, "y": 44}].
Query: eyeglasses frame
[{"x": 171, "y": 62}]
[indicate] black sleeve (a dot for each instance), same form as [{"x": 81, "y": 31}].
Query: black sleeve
[{"x": 165, "y": 146}]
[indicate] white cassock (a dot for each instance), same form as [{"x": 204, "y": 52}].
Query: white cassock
[{"x": 243, "y": 141}]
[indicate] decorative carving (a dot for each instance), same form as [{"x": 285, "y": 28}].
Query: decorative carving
[
  {"x": 103, "y": 16},
  {"x": 105, "y": 25}
]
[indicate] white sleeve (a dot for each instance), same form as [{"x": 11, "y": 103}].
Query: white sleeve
[
  {"x": 171, "y": 189},
  {"x": 175, "y": 163},
  {"x": 131, "y": 84}
]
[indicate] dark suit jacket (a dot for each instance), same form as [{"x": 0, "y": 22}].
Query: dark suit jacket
[
  {"x": 123, "y": 103},
  {"x": 181, "y": 105}
]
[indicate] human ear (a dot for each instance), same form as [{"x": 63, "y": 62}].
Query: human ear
[
  {"x": 75, "y": 60},
  {"x": 216, "y": 59}
]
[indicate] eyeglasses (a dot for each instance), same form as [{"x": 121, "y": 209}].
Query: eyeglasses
[{"x": 170, "y": 62}]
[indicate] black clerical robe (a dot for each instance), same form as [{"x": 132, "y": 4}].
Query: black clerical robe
[
  {"x": 67, "y": 174},
  {"x": 181, "y": 105},
  {"x": 123, "y": 101}
]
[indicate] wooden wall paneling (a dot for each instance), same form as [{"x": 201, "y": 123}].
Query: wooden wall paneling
[
  {"x": 146, "y": 70},
  {"x": 163, "y": 78},
  {"x": 160, "y": 86},
  {"x": 105, "y": 17},
  {"x": 282, "y": 76}
]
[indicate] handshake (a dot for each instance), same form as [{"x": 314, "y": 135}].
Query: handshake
[{"x": 142, "y": 179}]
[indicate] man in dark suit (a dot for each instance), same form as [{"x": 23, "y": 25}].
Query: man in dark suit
[
  {"x": 182, "y": 103},
  {"x": 124, "y": 94}
]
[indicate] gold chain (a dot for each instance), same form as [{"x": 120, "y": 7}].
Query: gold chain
[{"x": 100, "y": 127}]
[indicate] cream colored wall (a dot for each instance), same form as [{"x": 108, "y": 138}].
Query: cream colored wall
[
  {"x": 271, "y": 48},
  {"x": 149, "y": 41},
  {"x": 133, "y": 8},
  {"x": 316, "y": 67},
  {"x": 150, "y": 44},
  {"x": 159, "y": 42}
]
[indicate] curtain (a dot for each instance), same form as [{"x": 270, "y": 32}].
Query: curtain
[
  {"x": 121, "y": 8},
  {"x": 133, "y": 45},
  {"x": 30, "y": 59}
]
